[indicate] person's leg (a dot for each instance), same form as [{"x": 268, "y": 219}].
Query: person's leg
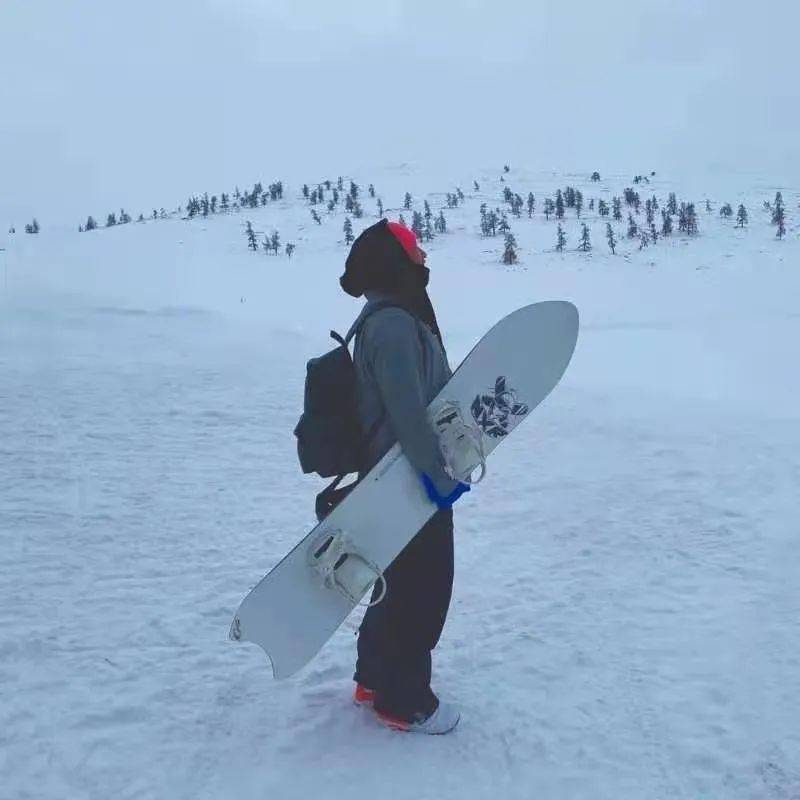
[{"x": 400, "y": 633}]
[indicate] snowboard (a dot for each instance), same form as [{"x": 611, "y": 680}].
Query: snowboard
[{"x": 296, "y": 608}]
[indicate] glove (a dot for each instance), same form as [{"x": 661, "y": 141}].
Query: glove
[{"x": 448, "y": 500}]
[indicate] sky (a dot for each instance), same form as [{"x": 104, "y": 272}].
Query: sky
[{"x": 109, "y": 105}]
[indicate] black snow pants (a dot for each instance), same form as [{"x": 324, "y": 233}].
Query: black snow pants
[{"x": 397, "y": 635}]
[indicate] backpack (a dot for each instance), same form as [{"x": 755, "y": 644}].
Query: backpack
[{"x": 330, "y": 438}]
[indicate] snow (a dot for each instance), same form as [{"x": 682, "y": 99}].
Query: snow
[{"x": 625, "y": 615}]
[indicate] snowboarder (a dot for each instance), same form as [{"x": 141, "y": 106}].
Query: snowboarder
[{"x": 401, "y": 365}]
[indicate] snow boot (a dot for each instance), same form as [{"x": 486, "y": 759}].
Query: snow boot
[
  {"x": 362, "y": 696},
  {"x": 443, "y": 720}
]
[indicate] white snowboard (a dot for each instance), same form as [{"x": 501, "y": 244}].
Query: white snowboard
[{"x": 291, "y": 612}]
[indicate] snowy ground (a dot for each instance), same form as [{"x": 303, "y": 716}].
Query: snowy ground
[{"x": 626, "y": 614}]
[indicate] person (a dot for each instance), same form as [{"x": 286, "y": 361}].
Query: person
[{"x": 401, "y": 365}]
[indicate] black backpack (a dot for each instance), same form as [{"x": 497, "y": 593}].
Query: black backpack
[{"x": 330, "y": 438}]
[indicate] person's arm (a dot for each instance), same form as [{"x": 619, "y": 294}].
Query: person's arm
[{"x": 394, "y": 353}]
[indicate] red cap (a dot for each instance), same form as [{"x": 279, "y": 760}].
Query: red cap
[{"x": 405, "y": 236}]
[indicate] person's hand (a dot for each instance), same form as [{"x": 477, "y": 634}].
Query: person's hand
[{"x": 445, "y": 501}]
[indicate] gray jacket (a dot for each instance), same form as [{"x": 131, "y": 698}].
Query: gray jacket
[{"x": 400, "y": 367}]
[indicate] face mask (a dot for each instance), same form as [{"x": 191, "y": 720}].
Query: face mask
[{"x": 421, "y": 275}]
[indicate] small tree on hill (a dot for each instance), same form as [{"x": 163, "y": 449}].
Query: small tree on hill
[
  {"x": 612, "y": 242},
  {"x": 440, "y": 223},
  {"x": 666, "y": 226},
  {"x": 586, "y": 242},
  {"x": 348, "y": 231},
  {"x": 741, "y": 216},
  {"x": 251, "y": 237},
  {"x": 726, "y": 211},
  {"x": 111, "y": 220},
  {"x": 633, "y": 228},
  {"x": 275, "y": 242},
  {"x": 617, "y": 206},
  {"x": 531, "y": 204},
  {"x": 289, "y": 249},
  {"x": 510, "y": 251},
  {"x": 407, "y": 201},
  {"x": 561, "y": 239},
  {"x": 559, "y": 205},
  {"x": 90, "y": 224}
]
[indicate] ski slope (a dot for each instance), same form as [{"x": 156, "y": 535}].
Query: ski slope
[{"x": 626, "y": 606}]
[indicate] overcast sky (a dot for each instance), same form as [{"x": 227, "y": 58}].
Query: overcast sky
[{"x": 105, "y": 104}]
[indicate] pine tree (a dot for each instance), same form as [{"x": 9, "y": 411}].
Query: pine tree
[
  {"x": 559, "y": 205},
  {"x": 672, "y": 204},
  {"x": 331, "y": 205},
  {"x": 666, "y": 227},
  {"x": 682, "y": 219},
  {"x": 340, "y": 183},
  {"x": 531, "y": 204},
  {"x": 633, "y": 228},
  {"x": 124, "y": 217},
  {"x": 726, "y": 211},
  {"x": 586, "y": 242},
  {"x": 578, "y": 204},
  {"x": 649, "y": 212},
  {"x": 305, "y": 191},
  {"x": 428, "y": 212},
  {"x": 402, "y": 220},
  {"x": 213, "y": 204},
  {"x": 441, "y": 223},
  {"x": 708, "y": 208},
  {"x": 357, "y": 210},
  {"x": 380, "y": 208},
  {"x": 289, "y": 249},
  {"x": 653, "y": 232},
  {"x": 427, "y": 231},
  {"x": 354, "y": 190},
  {"x": 275, "y": 242},
  {"x": 315, "y": 216},
  {"x": 561, "y": 240},
  {"x": 644, "y": 239},
  {"x": 111, "y": 220},
  {"x": 510, "y": 251},
  {"x": 503, "y": 225},
  {"x": 407, "y": 201},
  {"x": 741, "y": 216},
  {"x": 348, "y": 231},
  {"x": 348, "y": 203},
  {"x": 91, "y": 224},
  {"x": 691, "y": 220},
  {"x": 612, "y": 242},
  {"x": 617, "y": 205},
  {"x": 779, "y": 216},
  {"x": 602, "y": 208},
  {"x": 595, "y": 176},
  {"x": 251, "y": 237},
  {"x": 371, "y": 191},
  {"x": 549, "y": 208},
  {"x": 141, "y": 218},
  {"x": 476, "y": 186},
  {"x": 591, "y": 204},
  {"x": 416, "y": 223},
  {"x": 336, "y": 197}
]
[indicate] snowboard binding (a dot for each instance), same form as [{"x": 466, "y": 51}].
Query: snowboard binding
[
  {"x": 339, "y": 566},
  {"x": 460, "y": 441}
]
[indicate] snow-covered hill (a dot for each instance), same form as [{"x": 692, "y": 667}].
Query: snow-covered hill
[{"x": 625, "y": 618}]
